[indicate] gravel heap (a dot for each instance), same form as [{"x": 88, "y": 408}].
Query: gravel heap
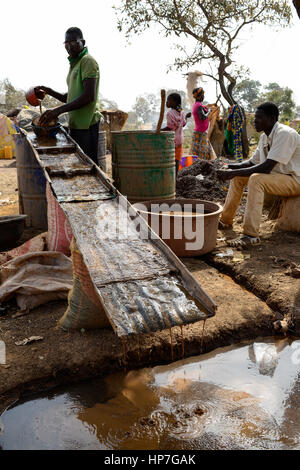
[{"x": 207, "y": 187}]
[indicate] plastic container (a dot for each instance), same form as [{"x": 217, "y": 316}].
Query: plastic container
[
  {"x": 46, "y": 131},
  {"x": 8, "y": 152},
  {"x": 175, "y": 228},
  {"x": 187, "y": 160},
  {"x": 11, "y": 228},
  {"x": 33, "y": 98}
]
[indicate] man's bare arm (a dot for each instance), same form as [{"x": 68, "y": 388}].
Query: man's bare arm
[
  {"x": 48, "y": 91},
  {"x": 265, "y": 167},
  {"x": 88, "y": 95}
]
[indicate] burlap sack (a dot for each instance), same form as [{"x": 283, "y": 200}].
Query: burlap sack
[
  {"x": 35, "y": 279},
  {"x": 38, "y": 243},
  {"x": 84, "y": 306},
  {"x": 289, "y": 216},
  {"x": 59, "y": 229}
]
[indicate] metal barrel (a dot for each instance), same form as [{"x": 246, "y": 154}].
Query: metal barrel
[
  {"x": 31, "y": 185},
  {"x": 101, "y": 157},
  {"x": 143, "y": 164}
]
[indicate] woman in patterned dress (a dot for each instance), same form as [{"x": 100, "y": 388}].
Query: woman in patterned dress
[{"x": 201, "y": 145}]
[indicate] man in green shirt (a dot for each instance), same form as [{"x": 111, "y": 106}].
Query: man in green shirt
[{"x": 81, "y": 99}]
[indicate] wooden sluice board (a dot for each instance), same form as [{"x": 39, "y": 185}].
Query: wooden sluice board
[{"x": 142, "y": 285}]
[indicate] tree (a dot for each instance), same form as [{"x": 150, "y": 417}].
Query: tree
[
  {"x": 105, "y": 103},
  {"x": 146, "y": 106},
  {"x": 297, "y": 112},
  {"x": 213, "y": 26},
  {"x": 282, "y": 97},
  {"x": 246, "y": 93},
  {"x": 11, "y": 97},
  {"x": 297, "y": 6}
]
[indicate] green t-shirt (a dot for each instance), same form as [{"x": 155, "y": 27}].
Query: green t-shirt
[{"x": 81, "y": 68}]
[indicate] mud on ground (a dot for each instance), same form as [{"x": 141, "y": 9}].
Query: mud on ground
[
  {"x": 62, "y": 357},
  {"x": 199, "y": 181}
]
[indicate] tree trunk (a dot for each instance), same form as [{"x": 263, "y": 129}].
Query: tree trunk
[{"x": 297, "y": 6}]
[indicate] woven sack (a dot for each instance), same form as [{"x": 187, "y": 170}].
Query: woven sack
[
  {"x": 84, "y": 306},
  {"x": 289, "y": 216},
  {"x": 38, "y": 243},
  {"x": 59, "y": 229}
]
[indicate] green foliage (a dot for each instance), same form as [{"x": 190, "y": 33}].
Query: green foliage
[
  {"x": 12, "y": 98},
  {"x": 15, "y": 98},
  {"x": 147, "y": 107},
  {"x": 282, "y": 97},
  {"x": 250, "y": 94},
  {"x": 105, "y": 103},
  {"x": 143, "y": 108},
  {"x": 246, "y": 93},
  {"x": 213, "y": 27}
]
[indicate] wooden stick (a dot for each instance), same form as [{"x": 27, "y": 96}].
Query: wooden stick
[{"x": 162, "y": 110}]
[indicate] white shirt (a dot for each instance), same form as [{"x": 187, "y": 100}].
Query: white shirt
[{"x": 284, "y": 144}]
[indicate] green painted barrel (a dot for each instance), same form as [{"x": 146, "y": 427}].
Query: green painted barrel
[{"x": 143, "y": 164}]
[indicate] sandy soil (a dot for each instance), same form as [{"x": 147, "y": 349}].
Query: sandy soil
[
  {"x": 251, "y": 290},
  {"x": 8, "y": 188}
]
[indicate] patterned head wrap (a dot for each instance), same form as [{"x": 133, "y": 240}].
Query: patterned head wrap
[{"x": 198, "y": 93}]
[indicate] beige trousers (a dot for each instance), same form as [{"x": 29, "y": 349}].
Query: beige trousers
[{"x": 258, "y": 183}]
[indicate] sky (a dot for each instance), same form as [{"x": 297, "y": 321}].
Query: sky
[{"x": 33, "y": 52}]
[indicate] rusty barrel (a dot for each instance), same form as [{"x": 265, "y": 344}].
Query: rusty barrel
[
  {"x": 101, "y": 157},
  {"x": 31, "y": 185},
  {"x": 143, "y": 164}
]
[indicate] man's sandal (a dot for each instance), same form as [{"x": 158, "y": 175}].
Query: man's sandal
[{"x": 243, "y": 241}]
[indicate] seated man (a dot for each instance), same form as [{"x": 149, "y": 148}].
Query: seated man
[{"x": 274, "y": 168}]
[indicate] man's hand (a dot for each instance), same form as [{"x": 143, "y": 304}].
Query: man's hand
[
  {"x": 188, "y": 115},
  {"x": 40, "y": 92},
  {"x": 49, "y": 116},
  {"x": 224, "y": 175}
]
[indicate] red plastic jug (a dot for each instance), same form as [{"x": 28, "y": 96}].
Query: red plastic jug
[{"x": 34, "y": 98}]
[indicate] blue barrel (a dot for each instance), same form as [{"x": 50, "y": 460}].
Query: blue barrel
[{"x": 31, "y": 184}]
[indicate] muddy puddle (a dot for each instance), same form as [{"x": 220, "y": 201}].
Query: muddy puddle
[{"x": 241, "y": 397}]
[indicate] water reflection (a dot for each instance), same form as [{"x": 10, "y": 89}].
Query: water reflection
[{"x": 244, "y": 397}]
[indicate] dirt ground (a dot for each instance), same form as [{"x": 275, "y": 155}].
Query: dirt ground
[
  {"x": 8, "y": 188},
  {"x": 252, "y": 290}
]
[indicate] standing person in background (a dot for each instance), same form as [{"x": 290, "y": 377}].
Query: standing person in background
[
  {"x": 201, "y": 145},
  {"x": 81, "y": 99},
  {"x": 176, "y": 120},
  {"x": 234, "y": 127}
]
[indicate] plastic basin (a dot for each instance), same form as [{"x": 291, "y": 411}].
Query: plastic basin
[
  {"x": 45, "y": 131},
  {"x": 188, "y": 226}
]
